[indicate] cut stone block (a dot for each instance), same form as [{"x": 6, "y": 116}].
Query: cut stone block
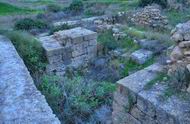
[
  {"x": 73, "y": 47},
  {"x": 141, "y": 56}
]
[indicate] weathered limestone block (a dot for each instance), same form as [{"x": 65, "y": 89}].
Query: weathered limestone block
[
  {"x": 21, "y": 102},
  {"x": 126, "y": 97},
  {"x": 151, "y": 107},
  {"x": 138, "y": 114},
  {"x": 141, "y": 56},
  {"x": 74, "y": 47}
]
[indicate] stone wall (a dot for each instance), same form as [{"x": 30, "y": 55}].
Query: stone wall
[
  {"x": 150, "y": 16},
  {"x": 20, "y": 101},
  {"x": 134, "y": 104},
  {"x": 180, "y": 56},
  {"x": 69, "y": 48}
]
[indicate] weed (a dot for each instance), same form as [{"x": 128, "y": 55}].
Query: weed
[
  {"x": 29, "y": 49},
  {"x": 158, "y": 78}
]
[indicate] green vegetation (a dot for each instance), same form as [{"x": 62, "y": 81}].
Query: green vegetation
[
  {"x": 159, "y": 78},
  {"x": 58, "y": 28},
  {"x": 109, "y": 42},
  {"x": 163, "y": 3},
  {"x": 76, "y": 6},
  {"x": 29, "y": 49},
  {"x": 175, "y": 16},
  {"x": 54, "y": 8},
  {"x": 7, "y": 9},
  {"x": 28, "y": 24},
  {"x": 77, "y": 97},
  {"x": 131, "y": 66}
]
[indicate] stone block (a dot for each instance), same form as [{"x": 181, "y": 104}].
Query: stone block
[
  {"x": 92, "y": 42},
  {"x": 139, "y": 115},
  {"x": 124, "y": 118},
  {"x": 141, "y": 56}
]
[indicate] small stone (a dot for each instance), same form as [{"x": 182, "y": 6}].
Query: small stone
[
  {"x": 177, "y": 37},
  {"x": 188, "y": 67},
  {"x": 187, "y": 53},
  {"x": 184, "y": 44},
  {"x": 176, "y": 54},
  {"x": 141, "y": 56}
]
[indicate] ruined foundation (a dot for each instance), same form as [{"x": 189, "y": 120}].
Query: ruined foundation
[
  {"x": 133, "y": 104},
  {"x": 69, "y": 48}
]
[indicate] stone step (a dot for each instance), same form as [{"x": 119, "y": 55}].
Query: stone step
[
  {"x": 141, "y": 56},
  {"x": 144, "y": 105},
  {"x": 187, "y": 53},
  {"x": 184, "y": 44}
]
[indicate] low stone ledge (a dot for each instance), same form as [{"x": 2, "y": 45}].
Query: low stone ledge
[
  {"x": 20, "y": 101},
  {"x": 147, "y": 106}
]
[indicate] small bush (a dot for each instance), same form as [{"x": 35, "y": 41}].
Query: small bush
[
  {"x": 28, "y": 24},
  {"x": 29, "y": 49},
  {"x": 179, "y": 78},
  {"x": 77, "y": 98},
  {"x": 163, "y": 3},
  {"x": 76, "y": 6},
  {"x": 52, "y": 91},
  {"x": 54, "y": 8},
  {"x": 83, "y": 97},
  {"x": 107, "y": 40},
  {"x": 59, "y": 28}
]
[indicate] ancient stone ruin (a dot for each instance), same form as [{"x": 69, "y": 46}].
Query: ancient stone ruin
[
  {"x": 69, "y": 48},
  {"x": 134, "y": 104},
  {"x": 150, "y": 16},
  {"x": 180, "y": 56}
]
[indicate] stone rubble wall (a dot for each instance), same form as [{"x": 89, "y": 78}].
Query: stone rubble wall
[
  {"x": 20, "y": 101},
  {"x": 133, "y": 104},
  {"x": 150, "y": 16},
  {"x": 180, "y": 56},
  {"x": 69, "y": 48}
]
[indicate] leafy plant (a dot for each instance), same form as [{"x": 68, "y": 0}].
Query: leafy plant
[
  {"x": 179, "y": 78},
  {"x": 107, "y": 40},
  {"x": 82, "y": 97},
  {"x": 163, "y": 3},
  {"x": 58, "y": 28},
  {"x": 54, "y": 8},
  {"x": 52, "y": 91},
  {"x": 28, "y": 24},
  {"x": 76, "y": 6},
  {"x": 29, "y": 49}
]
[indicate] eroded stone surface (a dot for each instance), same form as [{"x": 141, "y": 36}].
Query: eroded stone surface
[
  {"x": 20, "y": 101},
  {"x": 74, "y": 47},
  {"x": 141, "y": 56},
  {"x": 148, "y": 106}
]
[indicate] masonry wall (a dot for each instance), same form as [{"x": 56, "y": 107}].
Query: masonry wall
[
  {"x": 20, "y": 101},
  {"x": 135, "y": 105},
  {"x": 69, "y": 48}
]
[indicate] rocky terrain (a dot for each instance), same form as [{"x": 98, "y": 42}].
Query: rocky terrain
[{"x": 95, "y": 61}]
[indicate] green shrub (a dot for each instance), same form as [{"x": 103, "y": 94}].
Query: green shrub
[
  {"x": 59, "y": 28},
  {"x": 54, "y": 8},
  {"x": 83, "y": 97},
  {"x": 52, "y": 91},
  {"x": 28, "y": 24},
  {"x": 29, "y": 49},
  {"x": 180, "y": 78},
  {"x": 76, "y": 6},
  {"x": 76, "y": 98},
  {"x": 107, "y": 40},
  {"x": 163, "y": 3}
]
